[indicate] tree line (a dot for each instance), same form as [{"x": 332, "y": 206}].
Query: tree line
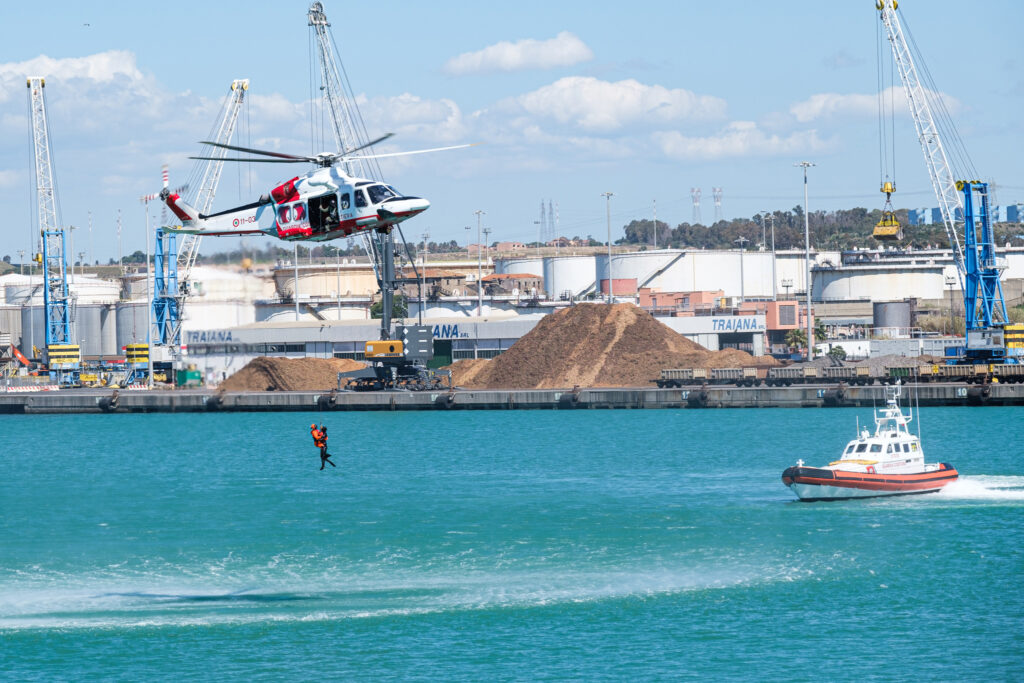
[{"x": 829, "y": 230}]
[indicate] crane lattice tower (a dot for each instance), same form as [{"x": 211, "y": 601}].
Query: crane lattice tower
[{"x": 55, "y": 290}]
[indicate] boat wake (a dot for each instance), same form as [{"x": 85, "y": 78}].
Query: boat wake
[
  {"x": 152, "y": 600},
  {"x": 985, "y": 488}
]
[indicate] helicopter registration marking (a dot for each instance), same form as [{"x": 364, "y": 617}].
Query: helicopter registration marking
[{"x": 240, "y": 221}]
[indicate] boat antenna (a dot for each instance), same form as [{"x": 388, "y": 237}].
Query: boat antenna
[{"x": 917, "y": 400}]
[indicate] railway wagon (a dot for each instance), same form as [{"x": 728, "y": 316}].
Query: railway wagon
[
  {"x": 678, "y": 377},
  {"x": 851, "y": 375}
]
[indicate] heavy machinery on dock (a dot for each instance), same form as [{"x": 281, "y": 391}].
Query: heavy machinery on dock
[{"x": 960, "y": 201}]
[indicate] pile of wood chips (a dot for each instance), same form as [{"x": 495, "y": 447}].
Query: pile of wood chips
[
  {"x": 289, "y": 374},
  {"x": 594, "y": 345}
]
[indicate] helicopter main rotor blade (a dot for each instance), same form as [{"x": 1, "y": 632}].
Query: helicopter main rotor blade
[
  {"x": 382, "y": 138},
  {"x": 279, "y": 155},
  {"x": 257, "y": 161},
  {"x": 401, "y": 154}
]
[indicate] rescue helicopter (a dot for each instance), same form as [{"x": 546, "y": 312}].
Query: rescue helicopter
[{"x": 324, "y": 204}]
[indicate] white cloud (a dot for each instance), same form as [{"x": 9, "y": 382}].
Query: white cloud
[
  {"x": 835, "y": 104},
  {"x": 565, "y": 49},
  {"x": 738, "y": 139},
  {"x": 11, "y": 178},
  {"x": 276, "y": 109},
  {"x": 104, "y": 67},
  {"x": 412, "y": 117},
  {"x": 597, "y": 105}
]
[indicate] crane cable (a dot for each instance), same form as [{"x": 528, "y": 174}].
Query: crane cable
[
  {"x": 883, "y": 134},
  {"x": 888, "y": 227}
]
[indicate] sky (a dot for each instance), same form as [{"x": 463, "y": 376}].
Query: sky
[{"x": 567, "y": 101}]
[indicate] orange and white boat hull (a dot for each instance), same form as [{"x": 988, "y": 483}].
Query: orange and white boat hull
[{"x": 815, "y": 483}]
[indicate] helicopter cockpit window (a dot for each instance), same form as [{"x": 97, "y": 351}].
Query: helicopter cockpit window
[
  {"x": 346, "y": 201},
  {"x": 360, "y": 198},
  {"x": 379, "y": 193}
]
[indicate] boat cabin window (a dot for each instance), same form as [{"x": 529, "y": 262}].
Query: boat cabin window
[
  {"x": 346, "y": 201},
  {"x": 360, "y": 199},
  {"x": 379, "y": 193},
  {"x": 888, "y": 449},
  {"x": 862, "y": 447},
  {"x": 849, "y": 449},
  {"x": 906, "y": 448},
  {"x": 876, "y": 448}
]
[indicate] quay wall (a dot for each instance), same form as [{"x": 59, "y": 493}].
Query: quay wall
[{"x": 193, "y": 401}]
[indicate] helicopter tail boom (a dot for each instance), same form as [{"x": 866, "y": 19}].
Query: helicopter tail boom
[{"x": 242, "y": 220}]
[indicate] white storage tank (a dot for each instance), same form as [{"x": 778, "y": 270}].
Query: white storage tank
[
  {"x": 895, "y": 316},
  {"x": 879, "y": 282},
  {"x": 200, "y": 314},
  {"x": 33, "y": 328},
  {"x": 94, "y": 328},
  {"x": 10, "y": 322},
  {"x": 132, "y": 319},
  {"x": 569, "y": 276},
  {"x": 532, "y": 266}
]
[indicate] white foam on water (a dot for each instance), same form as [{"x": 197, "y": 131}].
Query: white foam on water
[
  {"x": 984, "y": 488},
  {"x": 149, "y": 599}
]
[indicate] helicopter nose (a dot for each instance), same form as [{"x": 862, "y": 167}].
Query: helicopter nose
[
  {"x": 406, "y": 207},
  {"x": 416, "y": 204}
]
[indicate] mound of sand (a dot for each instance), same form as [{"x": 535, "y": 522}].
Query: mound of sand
[
  {"x": 289, "y": 374},
  {"x": 594, "y": 345}
]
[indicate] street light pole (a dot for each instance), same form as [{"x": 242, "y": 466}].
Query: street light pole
[
  {"x": 423, "y": 287},
  {"x": 479, "y": 269},
  {"x": 741, "y": 240},
  {"x": 295, "y": 290},
  {"x": 487, "y": 250},
  {"x": 655, "y": 225},
  {"x": 608, "y": 208},
  {"x": 950, "y": 281},
  {"x": 149, "y": 310},
  {"x": 71, "y": 234},
  {"x": 775, "y": 286},
  {"x": 807, "y": 261}
]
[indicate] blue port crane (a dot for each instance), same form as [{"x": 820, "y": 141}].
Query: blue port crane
[
  {"x": 62, "y": 354},
  {"x": 961, "y": 202}
]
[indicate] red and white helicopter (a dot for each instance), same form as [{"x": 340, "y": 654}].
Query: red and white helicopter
[{"x": 321, "y": 205}]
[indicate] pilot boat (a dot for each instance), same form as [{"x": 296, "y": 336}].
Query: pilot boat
[{"x": 889, "y": 462}]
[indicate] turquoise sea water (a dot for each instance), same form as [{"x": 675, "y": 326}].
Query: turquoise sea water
[{"x": 501, "y": 545}]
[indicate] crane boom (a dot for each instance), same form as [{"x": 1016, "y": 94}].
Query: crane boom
[
  {"x": 978, "y": 268},
  {"x": 175, "y": 267},
  {"x": 207, "y": 187},
  {"x": 391, "y": 358},
  {"x": 57, "y": 299},
  {"x": 346, "y": 122},
  {"x": 943, "y": 182}
]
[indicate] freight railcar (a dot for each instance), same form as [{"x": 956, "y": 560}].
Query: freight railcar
[{"x": 850, "y": 375}]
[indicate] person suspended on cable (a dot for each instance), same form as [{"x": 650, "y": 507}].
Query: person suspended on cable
[{"x": 320, "y": 441}]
